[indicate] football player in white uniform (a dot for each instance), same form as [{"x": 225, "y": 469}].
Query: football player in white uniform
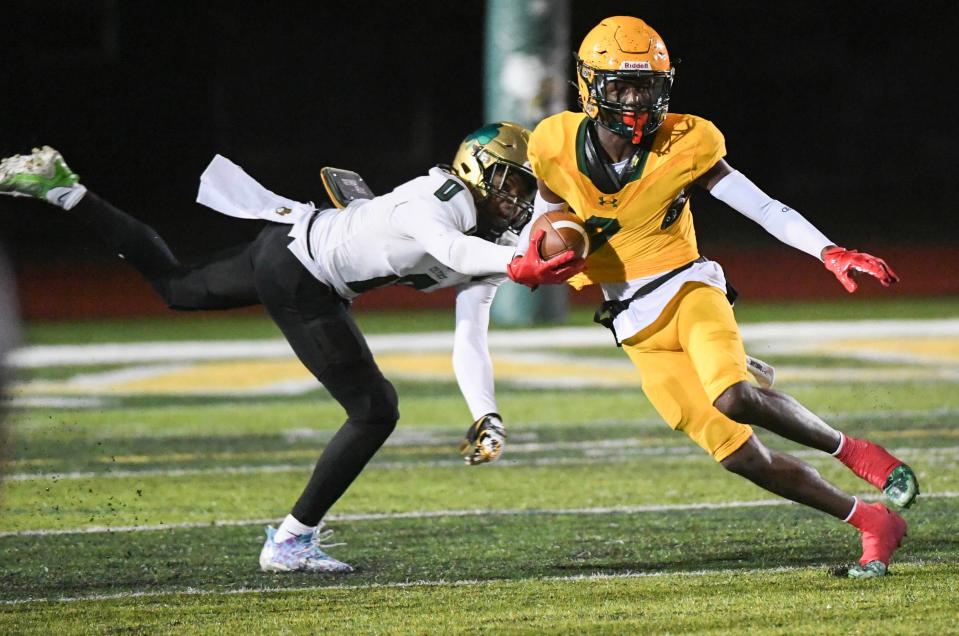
[{"x": 455, "y": 227}]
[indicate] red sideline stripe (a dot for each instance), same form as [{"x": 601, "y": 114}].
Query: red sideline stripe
[{"x": 62, "y": 291}]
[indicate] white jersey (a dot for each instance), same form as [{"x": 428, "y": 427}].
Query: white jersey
[{"x": 417, "y": 235}]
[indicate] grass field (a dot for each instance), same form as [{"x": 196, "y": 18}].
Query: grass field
[{"x": 136, "y": 491}]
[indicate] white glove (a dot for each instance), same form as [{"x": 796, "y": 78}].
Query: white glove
[{"x": 484, "y": 440}]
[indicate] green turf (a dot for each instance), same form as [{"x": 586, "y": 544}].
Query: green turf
[
  {"x": 848, "y": 308},
  {"x": 390, "y": 551},
  {"x": 805, "y": 601},
  {"x": 231, "y": 325},
  {"x": 64, "y": 372},
  {"x": 518, "y": 558},
  {"x": 586, "y": 452},
  {"x": 615, "y": 479},
  {"x": 431, "y": 406},
  {"x": 626, "y": 461},
  {"x": 697, "y": 604}
]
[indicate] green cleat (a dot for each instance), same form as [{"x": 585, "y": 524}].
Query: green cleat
[
  {"x": 43, "y": 174},
  {"x": 901, "y": 487},
  {"x": 871, "y": 570}
]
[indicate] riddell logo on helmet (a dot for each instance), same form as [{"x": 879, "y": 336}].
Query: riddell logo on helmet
[{"x": 634, "y": 66}]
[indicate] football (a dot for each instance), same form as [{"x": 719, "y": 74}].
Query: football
[{"x": 564, "y": 231}]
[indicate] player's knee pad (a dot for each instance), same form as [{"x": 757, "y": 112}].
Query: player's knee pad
[
  {"x": 384, "y": 404},
  {"x": 376, "y": 406}
]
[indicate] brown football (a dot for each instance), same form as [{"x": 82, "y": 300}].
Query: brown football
[{"x": 564, "y": 231}]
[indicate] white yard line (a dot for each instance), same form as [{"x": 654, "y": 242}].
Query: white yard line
[
  {"x": 430, "y": 514},
  {"x": 271, "y": 589},
  {"x": 530, "y": 358},
  {"x": 190, "y": 591},
  {"x": 55, "y": 402},
  {"x": 889, "y": 414},
  {"x": 593, "y": 458},
  {"x": 778, "y": 335},
  {"x": 595, "y": 450}
]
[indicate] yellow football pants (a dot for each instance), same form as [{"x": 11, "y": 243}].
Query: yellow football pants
[{"x": 687, "y": 358}]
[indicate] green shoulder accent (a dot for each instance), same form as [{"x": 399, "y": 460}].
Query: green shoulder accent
[{"x": 641, "y": 157}]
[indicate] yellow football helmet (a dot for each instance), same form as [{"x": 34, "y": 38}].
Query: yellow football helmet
[
  {"x": 624, "y": 49},
  {"x": 489, "y": 161}
]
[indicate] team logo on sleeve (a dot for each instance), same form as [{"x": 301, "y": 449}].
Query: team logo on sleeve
[
  {"x": 674, "y": 210},
  {"x": 672, "y": 214}
]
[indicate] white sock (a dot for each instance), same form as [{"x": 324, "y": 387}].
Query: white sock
[
  {"x": 842, "y": 442},
  {"x": 855, "y": 503},
  {"x": 66, "y": 197},
  {"x": 291, "y": 528}
]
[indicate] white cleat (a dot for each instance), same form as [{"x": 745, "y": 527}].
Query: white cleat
[{"x": 299, "y": 554}]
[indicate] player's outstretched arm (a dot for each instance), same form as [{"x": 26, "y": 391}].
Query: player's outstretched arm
[
  {"x": 786, "y": 224},
  {"x": 474, "y": 372},
  {"x": 734, "y": 189}
]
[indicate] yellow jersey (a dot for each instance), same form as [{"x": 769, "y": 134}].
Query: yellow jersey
[{"x": 631, "y": 235}]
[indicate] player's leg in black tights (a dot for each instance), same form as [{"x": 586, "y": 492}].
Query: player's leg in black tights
[
  {"x": 222, "y": 281},
  {"x": 315, "y": 321},
  {"x": 319, "y": 327}
]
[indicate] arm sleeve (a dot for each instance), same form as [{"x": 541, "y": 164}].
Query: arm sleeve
[
  {"x": 780, "y": 220},
  {"x": 471, "y": 360},
  {"x": 433, "y": 228}
]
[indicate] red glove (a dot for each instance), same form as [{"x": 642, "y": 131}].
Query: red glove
[
  {"x": 839, "y": 261},
  {"x": 531, "y": 270}
]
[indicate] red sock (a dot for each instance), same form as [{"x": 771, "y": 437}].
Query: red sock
[
  {"x": 869, "y": 461},
  {"x": 882, "y": 531}
]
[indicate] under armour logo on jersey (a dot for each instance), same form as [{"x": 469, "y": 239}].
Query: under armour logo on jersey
[{"x": 613, "y": 202}]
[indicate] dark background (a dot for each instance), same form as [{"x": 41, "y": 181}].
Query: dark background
[{"x": 844, "y": 110}]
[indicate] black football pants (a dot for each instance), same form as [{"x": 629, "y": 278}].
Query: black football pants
[{"x": 316, "y": 322}]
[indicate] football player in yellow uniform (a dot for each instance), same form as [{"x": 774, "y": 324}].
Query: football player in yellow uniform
[{"x": 625, "y": 166}]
